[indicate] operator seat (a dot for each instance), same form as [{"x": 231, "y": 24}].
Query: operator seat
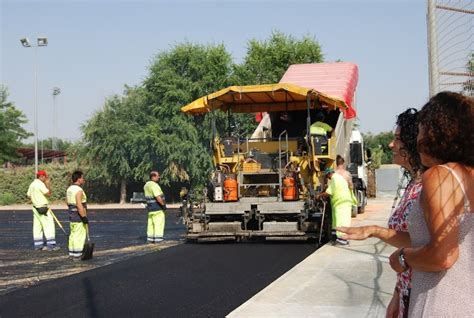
[{"x": 228, "y": 143}]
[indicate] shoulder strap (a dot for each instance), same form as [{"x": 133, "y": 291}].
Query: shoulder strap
[{"x": 467, "y": 206}]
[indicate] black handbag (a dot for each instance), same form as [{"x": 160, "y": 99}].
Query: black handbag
[{"x": 43, "y": 210}]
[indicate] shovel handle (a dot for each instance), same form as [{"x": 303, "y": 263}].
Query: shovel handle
[
  {"x": 57, "y": 221},
  {"x": 87, "y": 233}
]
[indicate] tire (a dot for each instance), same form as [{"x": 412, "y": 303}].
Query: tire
[
  {"x": 354, "y": 211},
  {"x": 361, "y": 209}
]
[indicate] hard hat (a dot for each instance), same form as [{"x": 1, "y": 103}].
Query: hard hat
[
  {"x": 328, "y": 171},
  {"x": 41, "y": 173}
]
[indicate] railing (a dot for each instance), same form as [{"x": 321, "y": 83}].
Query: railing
[{"x": 280, "y": 176}]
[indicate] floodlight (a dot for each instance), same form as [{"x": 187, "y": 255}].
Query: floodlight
[
  {"x": 42, "y": 41},
  {"x": 25, "y": 42}
]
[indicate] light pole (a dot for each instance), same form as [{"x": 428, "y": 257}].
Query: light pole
[
  {"x": 41, "y": 41},
  {"x": 56, "y": 92}
]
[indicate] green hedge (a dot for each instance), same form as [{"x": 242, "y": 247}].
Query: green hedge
[
  {"x": 7, "y": 198},
  {"x": 14, "y": 184}
]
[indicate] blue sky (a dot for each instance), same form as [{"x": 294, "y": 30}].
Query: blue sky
[{"x": 96, "y": 47}]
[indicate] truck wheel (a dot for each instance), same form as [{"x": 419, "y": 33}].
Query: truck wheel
[{"x": 354, "y": 211}]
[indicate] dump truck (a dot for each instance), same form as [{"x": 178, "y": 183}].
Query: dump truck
[{"x": 264, "y": 186}]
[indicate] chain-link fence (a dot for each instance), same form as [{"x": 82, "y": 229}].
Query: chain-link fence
[{"x": 451, "y": 45}]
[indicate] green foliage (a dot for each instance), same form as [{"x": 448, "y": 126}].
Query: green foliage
[
  {"x": 11, "y": 132},
  {"x": 7, "y": 198},
  {"x": 188, "y": 71},
  {"x": 14, "y": 184},
  {"x": 376, "y": 159},
  {"x": 145, "y": 129},
  {"x": 185, "y": 73},
  {"x": 124, "y": 141},
  {"x": 378, "y": 144},
  {"x": 266, "y": 61},
  {"x": 61, "y": 145},
  {"x": 109, "y": 138},
  {"x": 176, "y": 78},
  {"x": 16, "y": 181}
]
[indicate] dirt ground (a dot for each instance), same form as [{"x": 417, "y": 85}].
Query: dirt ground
[{"x": 118, "y": 234}]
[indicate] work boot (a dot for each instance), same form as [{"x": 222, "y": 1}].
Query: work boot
[{"x": 340, "y": 241}]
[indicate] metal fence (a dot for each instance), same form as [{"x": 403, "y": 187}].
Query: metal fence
[{"x": 451, "y": 46}]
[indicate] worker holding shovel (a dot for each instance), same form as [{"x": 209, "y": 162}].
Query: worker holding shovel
[
  {"x": 43, "y": 223},
  {"x": 77, "y": 205}
]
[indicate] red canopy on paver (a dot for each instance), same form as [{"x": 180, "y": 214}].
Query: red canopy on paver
[{"x": 337, "y": 79}]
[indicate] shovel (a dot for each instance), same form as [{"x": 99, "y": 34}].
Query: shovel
[
  {"x": 59, "y": 223},
  {"x": 88, "y": 249}
]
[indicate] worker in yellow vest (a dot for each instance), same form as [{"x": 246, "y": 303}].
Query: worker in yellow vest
[
  {"x": 341, "y": 203},
  {"x": 43, "y": 222},
  {"x": 156, "y": 207},
  {"x": 77, "y": 206},
  {"x": 340, "y": 169},
  {"x": 318, "y": 131}
]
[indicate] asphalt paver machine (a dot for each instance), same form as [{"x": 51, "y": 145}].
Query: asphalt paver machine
[{"x": 264, "y": 186}]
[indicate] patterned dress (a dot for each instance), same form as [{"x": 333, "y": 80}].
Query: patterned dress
[{"x": 398, "y": 222}]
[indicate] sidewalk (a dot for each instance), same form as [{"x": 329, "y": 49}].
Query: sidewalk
[{"x": 354, "y": 281}]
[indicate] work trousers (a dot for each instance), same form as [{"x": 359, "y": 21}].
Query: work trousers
[
  {"x": 77, "y": 238},
  {"x": 156, "y": 226},
  {"x": 341, "y": 216},
  {"x": 43, "y": 226}
]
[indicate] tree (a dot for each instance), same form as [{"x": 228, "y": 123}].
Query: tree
[
  {"x": 378, "y": 144},
  {"x": 185, "y": 73},
  {"x": 177, "y": 77},
  {"x": 266, "y": 61},
  {"x": 61, "y": 144},
  {"x": 11, "y": 130},
  {"x": 110, "y": 140},
  {"x": 145, "y": 129}
]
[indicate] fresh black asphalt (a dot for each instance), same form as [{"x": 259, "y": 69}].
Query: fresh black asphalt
[
  {"x": 188, "y": 280},
  {"x": 110, "y": 228}
]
